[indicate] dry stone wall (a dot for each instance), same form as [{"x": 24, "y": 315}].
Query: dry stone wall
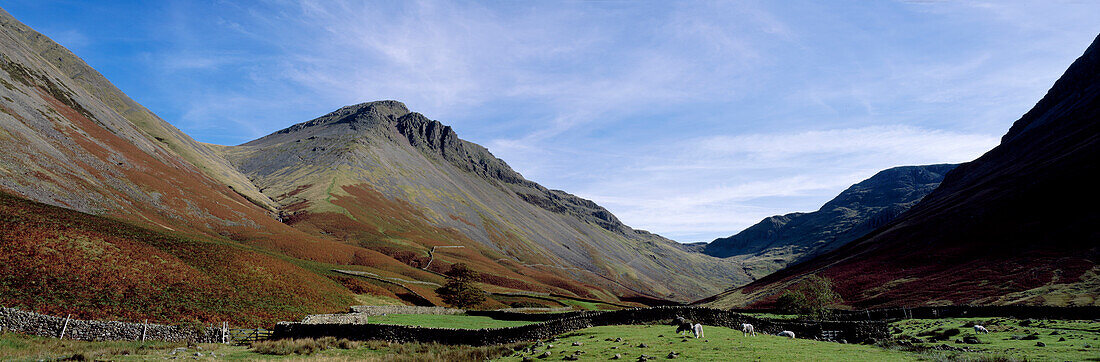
[
  {"x": 850, "y": 331},
  {"x": 14, "y": 320},
  {"x": 373, "y": 310}
]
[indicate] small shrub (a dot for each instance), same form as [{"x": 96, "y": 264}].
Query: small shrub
[
  {"x": 811, "y": 298},
  {"x": 347, "y": 344},
  {"x": 460, "y": 290}
]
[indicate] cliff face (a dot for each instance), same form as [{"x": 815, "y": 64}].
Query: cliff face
[
  {"x": 1016, "y": 225},
  {"x": 332, "y": 175},
  {"x": 783, "y": 240}
]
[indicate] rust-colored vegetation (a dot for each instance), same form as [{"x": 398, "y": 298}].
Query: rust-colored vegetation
[{"x": 60, "y": 261}]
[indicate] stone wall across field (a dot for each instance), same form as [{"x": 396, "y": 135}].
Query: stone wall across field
[
  {"x": 14, "y": 320},
  {"x": 851, "y": 331},
  {"x": 373, "y": 310}
]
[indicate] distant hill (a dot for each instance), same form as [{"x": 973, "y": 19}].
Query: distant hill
[
  {"x": 782, "y": 240},
  {"x": 1018, "y": 225}
]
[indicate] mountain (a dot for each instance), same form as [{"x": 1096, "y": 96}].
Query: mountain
[
  {"x": 1015, "y": 226},
  {"x": 782, "y": 240},
  {"x": 96, "y": 188},
  {"x": 388, "y": 179}
]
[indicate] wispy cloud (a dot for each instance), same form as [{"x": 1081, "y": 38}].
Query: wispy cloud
[{"x": 695, "y": 189}]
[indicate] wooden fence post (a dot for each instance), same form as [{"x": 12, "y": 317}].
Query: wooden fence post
[
  {"x": 144, "y": 328},
  {"x": 65, "y": 326}
]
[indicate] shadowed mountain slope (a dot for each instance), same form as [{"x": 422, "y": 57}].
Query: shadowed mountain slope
[
  {"x": 380, "y": 176},
  {"x": 782, "y": 240},
  {"x": 1015, "y": 226}
]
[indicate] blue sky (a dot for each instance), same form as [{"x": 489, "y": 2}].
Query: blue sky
[{"x": 690, "y": 119}]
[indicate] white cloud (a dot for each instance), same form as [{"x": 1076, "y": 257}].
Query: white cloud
[
  {"x": 710, "y": 186},
  {"x": 895, "y": 142}
]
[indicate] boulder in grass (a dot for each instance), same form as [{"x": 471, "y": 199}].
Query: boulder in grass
[
  {"x": 971, "y": 340},
  {"x": 617, "y": 356},
  {"x": 1040, "y": 344}
]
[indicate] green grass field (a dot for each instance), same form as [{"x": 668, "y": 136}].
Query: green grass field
[
  {"x": 598, "y": 343},
  {"x": 720, "y": 344},
  {"x": 1081, "y": 338},
  {"x": 460, "y": 321}
]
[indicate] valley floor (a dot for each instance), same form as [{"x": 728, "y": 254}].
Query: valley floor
[{"x": 915, "y": 339}]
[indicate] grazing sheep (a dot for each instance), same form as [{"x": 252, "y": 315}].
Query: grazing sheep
[
  {"x": 980, "y": 329},
  {"x": 697, "y": 330},
  {"x": 788, "y": 334},
  {"x": 747, "y": 330},
  {"x": 682, "y": 325},
  {"x": 680, "y": 329}
]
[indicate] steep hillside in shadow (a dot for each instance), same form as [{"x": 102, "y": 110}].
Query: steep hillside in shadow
[{"x": 1017, "y": 225}]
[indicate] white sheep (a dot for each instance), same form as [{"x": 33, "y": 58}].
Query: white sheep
[
  {"x": 747, "y": 330},
  {"x": 788, "y": 334},
  {"x": 697, "y": 330},
  {"x": 980, "y": 329}
]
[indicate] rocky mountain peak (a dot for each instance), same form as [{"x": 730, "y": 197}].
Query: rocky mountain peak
[
  {"x": 379, "y": 109},
  {"x": 354, "y": 116}
]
